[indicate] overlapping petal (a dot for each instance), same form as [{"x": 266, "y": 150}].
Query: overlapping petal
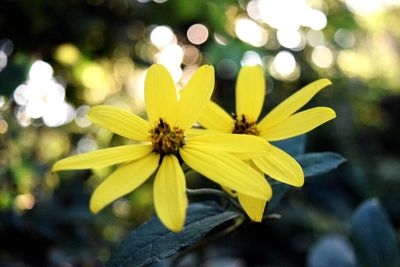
[
  {"x": 243, "y": 146},
  {"x": 226, "y": 170},
  {"x": 193, "y": 132},
  {"x": 160, "y": 95},
  {"x": 254, "y": 207},
  {"x": 281, "y": 166},
  {"x": 123, "y": 181},
  {"x": 195, "y": 96},
  {"x": 293, "y": 103},
  {"x": 170, "y": 199},
  {"x": 104, "y": 157},
  {"x": 297, "y": 124},
  {"x": 250, "y": 92},
  {"x": 120, "y": 121},
  {"x": 215, "y": 118}
]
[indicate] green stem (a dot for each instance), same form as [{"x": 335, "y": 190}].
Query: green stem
[
  {"x": 205, "y": 191},
  {"x": 215, "y": 192},
  {"x": 272, "y": 216}
]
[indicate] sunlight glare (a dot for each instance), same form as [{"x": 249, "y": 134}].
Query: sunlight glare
[
  {"x": 290, "y": 14},
  {"x": 251, "y": 58},
  {"x": 42, "y": 96},
  {"x": 291, "y": 38},
  {"x": 250, "y": 32},
  {"x": 315, "y": 38},
  {"x": 161, "y": 36},
  {"x": 3, "y": 60},
  {"x": 322, "y": 57},
  {"x": 284, "y": 67},
  {"x": 345, "y": 38},
  {"x": 197, "y": 34},
  {"x": 284, "y": 63}
]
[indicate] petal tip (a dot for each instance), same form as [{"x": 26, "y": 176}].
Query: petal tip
[
  {"x": 54, "y": 168},
  {"x": 208, "y": 69},
  {"x": 156, "y": 66},
  {"x": 299, "y": 181},
  {"x": 269, "y": 193},
  {"x": 330, "y": 113},
  {"x": 333, "y": 114},
  {"x": 57, "y": 166},
  {"x": 91, "y": 115},
  {"x": 255, "y": 68},
  {"x": 325, "y": 82},
  {"x": 93, "y": 207},
  {"x": 299, "y": 184},
  {"x": 175, "y": 229},
  {"x": 155, "y": 69}
]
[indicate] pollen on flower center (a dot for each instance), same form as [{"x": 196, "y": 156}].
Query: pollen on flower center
[
  {"x": 244, "y": 126},
  {"x": 166, "y": 140}
]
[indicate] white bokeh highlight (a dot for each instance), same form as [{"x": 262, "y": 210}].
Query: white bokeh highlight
[{"x": 42, "y": 96}]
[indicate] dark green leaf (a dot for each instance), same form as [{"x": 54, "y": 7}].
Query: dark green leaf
[
  {"x": 152, "y": 242},
  {"x": 312, "y": 164},
  {"x": 373, "y": 236},
  {"x": 279, "y": 191},
  {"x": 318, "y": 163},
  {"x": 332, "y": 250},
  {"x": 294, "y": 146}
]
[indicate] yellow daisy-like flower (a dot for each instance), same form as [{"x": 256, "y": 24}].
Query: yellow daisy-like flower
[
  {"x": 164, "y": 144},
  {"x": 281, "y": 123}
]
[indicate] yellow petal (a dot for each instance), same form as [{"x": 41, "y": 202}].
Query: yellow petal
[
  {"x": 299, "y": 123},
  {"x": 170, "y": 199},
  {"x": 226, "y": 170},
  {"x": 292, "y": 103},
  {"x": 120, "y": 121},
  {"x": 123, "y": 181},
  {"x": 195, "y": 96},
  {"x": 160, "y": 95},
  {"x": 192, "y": 132},
  {"x": 215, "y": 118},
  {"x": 231, "y": 192},
  {"x": 250, "y": 92},
  {"x": 241, "y": 145},
  {"x": 253, "y": 207},
  {"x": 281, "y": 166},
  {"x": 104, "y": 157}
]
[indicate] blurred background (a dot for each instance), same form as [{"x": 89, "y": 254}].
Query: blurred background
[{"x": 58, "y": 58}]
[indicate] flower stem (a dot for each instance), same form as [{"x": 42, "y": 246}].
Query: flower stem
[
  {"x": 205, "y": 191},
  {"x": 272, "y": 216},
  {"x": 215, "y": 192}
]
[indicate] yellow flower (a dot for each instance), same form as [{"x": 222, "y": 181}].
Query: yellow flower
[
  {"x": 281, "y": 123},
  {"x": 164, "y": 145}
]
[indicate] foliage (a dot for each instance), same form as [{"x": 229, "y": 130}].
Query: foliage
[{"x": 153, "y": 242}]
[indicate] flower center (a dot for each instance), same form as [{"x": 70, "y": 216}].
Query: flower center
[
  {"x": 166, "y": 140},
  {"x": 243, "y": 126}
]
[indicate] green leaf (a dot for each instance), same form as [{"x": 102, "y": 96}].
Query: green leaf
[
  {"x": 279, "y": 191},
  {"x": 152, "y": 242},
  {"x": 373, "y": 236},
  {"x": 294, "y": 146},
  {"x": 312, "y": 163},
  {"x": 318, "y": 163},
  {"x": 332, "y": 250}
]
